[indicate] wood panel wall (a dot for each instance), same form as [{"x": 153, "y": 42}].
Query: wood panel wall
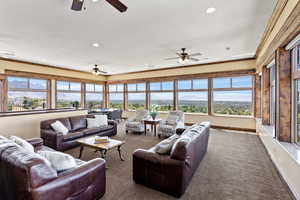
[
  {"x": 266, "y": 96},
  {"x": 284, "y": 95},
  {"x": 257, "y": 96}
]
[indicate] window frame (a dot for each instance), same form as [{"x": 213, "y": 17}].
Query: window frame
[
  {"x": 82, "y": 94},
  {"x": 5, "y": 84},
  {"x": 178, "y": 90},
  {"x": 93, "y": 92},
  {"x": 231, "y": 88},
  {"x": 116, "y": 92},
  {"x": 136, "y": 91},
  {"x": 295, "y": 78},
  {"x": 161, "y": 90}
]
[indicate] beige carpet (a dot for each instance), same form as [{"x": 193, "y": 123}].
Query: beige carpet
[{"x": 236, "y": 167}]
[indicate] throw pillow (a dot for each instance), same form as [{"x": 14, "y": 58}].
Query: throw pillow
[
  {"x": 59, "y": 128},
  {"x": 23, "y": 143},
  {"x": 92, "y": 123},
  {"x": 103, "y": 121},
  {"x": 59, "y": 161},
  {"x": 179, "y": 149},
  {"x": 165, "y": 146}
]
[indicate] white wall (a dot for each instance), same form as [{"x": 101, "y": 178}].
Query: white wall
[
  {"x": 28, "y": 126},
  {"x": 235, "y": 122}
]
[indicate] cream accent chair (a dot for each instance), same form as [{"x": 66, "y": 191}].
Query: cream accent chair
[
  {"x": 136, "y": 124},
  {"x": 169, "y": 126}
]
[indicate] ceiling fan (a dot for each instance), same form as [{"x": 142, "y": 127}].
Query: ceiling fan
[
  {"x": 183, "y": 57},
  {"x": 97, "y": 71},
  {"x": 78, "y": 4}
]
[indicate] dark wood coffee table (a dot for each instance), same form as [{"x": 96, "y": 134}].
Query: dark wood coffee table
[
  {"x": 153, "y": 123},
  {"x": 102, "y": 148}
]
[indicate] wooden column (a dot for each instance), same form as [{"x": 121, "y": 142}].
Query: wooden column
[
  {"x": 175, "y": 98},
  {"x": 257, "y": 96},
  {"x": 106, "y": 98},
  {"x": 266, "y": 97},
  {"x": 210, "y": 97},
  {"x": 284, "y": 95},
  {"x": 125, "y": 98},
  {"x": 148, "y": 95},
  {"x": 3, "y": 93}
]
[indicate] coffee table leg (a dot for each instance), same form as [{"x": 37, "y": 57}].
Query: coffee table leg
[
  {"x": 103, "y": 153},
  {"x": 80, "y": 152},
  {"x": 119, "y": 150},
  {"x": 155, "y": 130},
  {"x": 145, "y": 128}
]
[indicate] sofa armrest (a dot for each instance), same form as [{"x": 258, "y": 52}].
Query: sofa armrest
[
  {"x": 159, "y": 172},
  {"x": 37, "y": 143},
  {"x": 115, "y": 125},
  {"x": 52, "y": 139},
  {"x": 90, "y": 177}
]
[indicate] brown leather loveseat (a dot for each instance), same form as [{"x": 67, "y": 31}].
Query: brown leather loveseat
[
  {"x": 172, "y": 173},
  {"x": 77, "y": 127},
  {"x": 25, "y": 176}
]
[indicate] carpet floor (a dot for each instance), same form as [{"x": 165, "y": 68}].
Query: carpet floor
[{"x": 236, "y": 167}]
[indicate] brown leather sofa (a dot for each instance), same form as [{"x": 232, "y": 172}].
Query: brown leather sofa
[
  {"x": 77, "y": 126},
  {"x": 172, "y": 173},
  {"x": 25, "y": 176}
]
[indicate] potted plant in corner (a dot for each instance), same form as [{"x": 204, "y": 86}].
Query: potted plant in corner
[{"x": 153, "y": 111}]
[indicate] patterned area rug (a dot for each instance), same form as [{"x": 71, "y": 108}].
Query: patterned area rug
[{"x": 236, "y": 167}]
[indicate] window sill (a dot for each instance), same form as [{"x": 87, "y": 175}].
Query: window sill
[
  {"x": 292, "y": 149},
  {"x": 234, "y": 116},
  {"x": 11, "y": 114}
]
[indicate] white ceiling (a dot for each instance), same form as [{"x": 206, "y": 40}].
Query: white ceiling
[{"x": 48, "y": 32}]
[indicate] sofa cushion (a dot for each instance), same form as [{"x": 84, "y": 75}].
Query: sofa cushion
[
  {"x": 59, "y": 161},
  {"x": 59, "y": 128},
  {"x": 91, "y": 131},
  {"x": 65, "y": 121},
  {"x": 23, "y": 143},
  {"x": 73, "y": 135},
  {"x": 179, "y": 149},
  {"x": 165, "y": 146},
  {"x": 103, "y": 121},
  {"x": 78, "y": 122}
]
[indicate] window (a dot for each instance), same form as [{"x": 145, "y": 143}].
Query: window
[
  {"x": 93, "y": 96},
  {"x": 136, "y": 96},
  {"x": 296, "y": 67},
  {"x": 68, "y": 94},
  {"x": 26, "y": 94},
  {"x": 162, "y": 95},
  {"x": 116, "y": 96},
  {"x": 193, "y": 95},
  {"x": 273, "y": 96},
  {"x": 232, "y": 95}
]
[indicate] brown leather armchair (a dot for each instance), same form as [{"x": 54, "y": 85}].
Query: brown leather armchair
[
  {"x": 25, "y": 176},
  {"x": 172, "y": 173},
  {"x": 77, "y": 127}
]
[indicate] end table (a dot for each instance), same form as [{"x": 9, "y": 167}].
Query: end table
[{"x": 153, "y": 123}]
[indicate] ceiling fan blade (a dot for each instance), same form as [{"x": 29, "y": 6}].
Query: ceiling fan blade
[
  {"x": 196, "y": 54},
  {"x": 103, "y": 72},
  {"x": 171, "y": 58},
  {"x": 194, "y": 59},
  {"x": 118, "y": 5},
  {"x": 77, "y": 5}
]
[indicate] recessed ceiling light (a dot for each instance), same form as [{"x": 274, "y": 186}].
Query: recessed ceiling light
[
  {"x": 95, "y": 44},
  {"x": 210, "y": 10},
  {"x": 95, "y": 0}
]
